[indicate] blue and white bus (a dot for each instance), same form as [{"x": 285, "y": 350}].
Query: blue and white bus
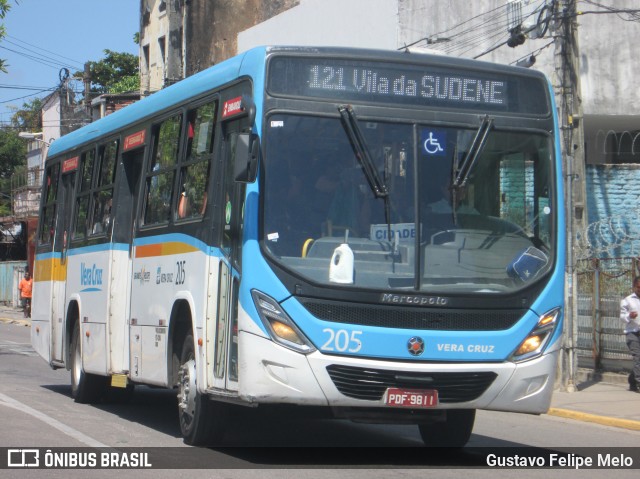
[{"x": 380, "y": 234}]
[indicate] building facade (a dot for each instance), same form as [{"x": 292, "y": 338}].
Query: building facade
[{"x": 182, "y": 37}]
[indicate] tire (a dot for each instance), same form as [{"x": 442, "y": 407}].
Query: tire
[
  {"x": 202, "y": 421},
  {"x": 455, "y": 431},
  {"x": 85, "y": 388}
]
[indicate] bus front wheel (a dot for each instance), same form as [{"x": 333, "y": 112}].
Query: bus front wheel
[
  {"x": 85, "y": 388},
  {"x": 202, "y": 421},
  {"x": 454, "y": 431}
]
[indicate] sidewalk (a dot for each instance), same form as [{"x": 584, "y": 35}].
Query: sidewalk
[
  {"x": 607, "y": 403},
  {"x": 605, "y": 400},
  {"x": 12, "y": 315}
]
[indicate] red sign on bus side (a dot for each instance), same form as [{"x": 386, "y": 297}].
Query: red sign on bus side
[
  {"x": 134, "y": 140},
  {"x": 232, "y": 107},
  {"x": 70, "y": 164}
]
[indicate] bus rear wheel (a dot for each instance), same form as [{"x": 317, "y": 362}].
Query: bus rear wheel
[
  {"x": 454, "y": 431},
  {"x": 202, "y": 421},
  {"x": 86, "y": 388}
]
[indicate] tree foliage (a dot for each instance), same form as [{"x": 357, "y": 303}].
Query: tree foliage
[
  {"x": 29, "y": 117},
  {"x": 13, "y": 151},
  {"x": 5, "y": 6},
  {"x": 115, "y": 71}
]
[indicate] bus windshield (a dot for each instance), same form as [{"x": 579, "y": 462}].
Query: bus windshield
[{"x": 448, "y": 224}]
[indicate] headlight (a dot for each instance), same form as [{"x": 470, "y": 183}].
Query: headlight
[
  {"x": 281, "y": 328},
  {"x": 536, "y": 341}
]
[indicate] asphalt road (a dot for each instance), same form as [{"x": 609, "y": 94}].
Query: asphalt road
[{"x": 36, "y": 410}]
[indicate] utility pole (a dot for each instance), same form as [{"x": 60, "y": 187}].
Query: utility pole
[
  {"x": 569, "y": 100},
  {"x": 86, "y": 78}
]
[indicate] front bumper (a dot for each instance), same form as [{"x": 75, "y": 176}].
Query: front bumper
[{"x": 272, "y": 374}]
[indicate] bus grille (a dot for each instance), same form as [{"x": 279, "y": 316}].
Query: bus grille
[
  {"x": 371, "y": 384},
  {"x": 414, "y": 318}
]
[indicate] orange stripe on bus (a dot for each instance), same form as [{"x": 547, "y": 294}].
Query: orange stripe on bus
[
  {"x": 164, "y": 249},
  {"x": 177, "y": 248},
  {"x": 148, "y": 250}
]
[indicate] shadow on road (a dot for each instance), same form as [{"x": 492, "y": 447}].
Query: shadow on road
[{"x": 289, "y": 437}]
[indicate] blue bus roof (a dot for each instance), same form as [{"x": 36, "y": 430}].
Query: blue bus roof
[{"x": 191, "y": 87}]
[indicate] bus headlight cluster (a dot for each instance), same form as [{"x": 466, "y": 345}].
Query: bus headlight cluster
[
  {"x": 281, "y": 328},
  {"x": 536, "y": 341}
]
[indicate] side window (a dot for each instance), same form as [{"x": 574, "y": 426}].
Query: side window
[
  {"x": 194, "y": 169},
  {"x": 48, "y": 215},
  {"x": 103, "y": 194},
  {"x": 162, "y": 170},
  {"x": 87, "y": 163},
  {"x": 95, "y": 192}
]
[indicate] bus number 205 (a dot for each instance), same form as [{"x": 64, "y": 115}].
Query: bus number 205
[{"x": 341, "y": 340}]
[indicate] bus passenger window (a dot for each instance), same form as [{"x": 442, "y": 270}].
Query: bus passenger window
[
  {"x": 109, "y": 155},
  {"x": 160, "y": 177},
  {"x": 195, "y": 167},
  {"x": 102, "y": 193},
  {"x": 81, "y": 217},
  {"x": 192, "y": 201},
  {"x": 102, "y": 212},
  {"x": 48, "y": 217}
]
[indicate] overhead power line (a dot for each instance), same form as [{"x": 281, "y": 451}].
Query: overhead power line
[
  {"x": 492, "y": 27},
  {"x": 23, "y": 97},
  {"x": 75, "y": 64}
]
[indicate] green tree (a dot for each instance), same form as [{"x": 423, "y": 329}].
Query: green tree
[
  {"x": 114, "y": 72},
  {"x": 13, "y": 151},
  {"x": 29, "y": 117},
  {"x": 4, "y": 8}
]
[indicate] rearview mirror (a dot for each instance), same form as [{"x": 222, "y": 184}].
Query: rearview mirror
[{"x": 246, "y": 162}]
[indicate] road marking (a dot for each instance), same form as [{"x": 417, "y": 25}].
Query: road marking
[
  {"x": 11, "y": 347},
  {"x": 68, "y": 430}
]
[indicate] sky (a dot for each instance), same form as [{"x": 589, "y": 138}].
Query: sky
[{"x": 44, "y": 36}]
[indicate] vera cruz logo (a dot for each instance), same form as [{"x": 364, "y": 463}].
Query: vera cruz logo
[{"x": 90, "y": 278}]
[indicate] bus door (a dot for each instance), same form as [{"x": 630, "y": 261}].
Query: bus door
[
  {"x": 229, "y": 264},
  {"x": 60, "y": 246},
  {"x": 127, "y": 193}
]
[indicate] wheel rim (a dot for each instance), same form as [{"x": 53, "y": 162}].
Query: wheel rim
[{"x": 187, "y": 394}]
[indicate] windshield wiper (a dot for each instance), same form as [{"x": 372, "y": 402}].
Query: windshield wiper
[
  {"x": 359, "y": 144},
  {"x": 377, "y": 185},
  {"x": 464, "y": 168},
  {"x": 350, "y": 124}
]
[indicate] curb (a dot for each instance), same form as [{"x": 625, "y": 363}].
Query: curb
[{"x": 594, "y": 418}]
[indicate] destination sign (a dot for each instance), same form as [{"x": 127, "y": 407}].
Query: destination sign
[{"x": 418, "y": 84}]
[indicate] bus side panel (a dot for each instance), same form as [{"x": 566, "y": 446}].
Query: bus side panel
[
  {"x": 88, "y": 286},
  {"x": 117, "y": 325},
  {"x": 150, "y": 312},
  {"x": 46, "y": 268},
  {"x": 165, "y": 270},
  {"x": 41, "y": 338},
  {"x": 210, "y": 326},
  {"x": 48, "y": 307},
  {"x": 94, "y": 356}
]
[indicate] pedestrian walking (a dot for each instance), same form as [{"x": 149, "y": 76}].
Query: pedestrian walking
[
  {"x": 630, "y": 315},
  {"x": 25, "y": 287}
]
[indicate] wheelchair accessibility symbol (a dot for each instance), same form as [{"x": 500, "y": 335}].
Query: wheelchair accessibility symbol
[{"x": 433, "y": 142}]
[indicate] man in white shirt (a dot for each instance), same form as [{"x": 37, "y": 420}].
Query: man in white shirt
[{"x": 630, "y": 315}]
